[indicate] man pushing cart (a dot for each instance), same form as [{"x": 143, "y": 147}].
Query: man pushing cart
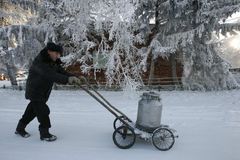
[{"x": 46, "y": 70}]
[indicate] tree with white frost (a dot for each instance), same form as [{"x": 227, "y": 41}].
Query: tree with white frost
[
  {"x": 87, "y": 28},
  {"x": 186, "y": 26},
  {"x": 19, "y": 40},
  {"x": 124, "y": 34}
]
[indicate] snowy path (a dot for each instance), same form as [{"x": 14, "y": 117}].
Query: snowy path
[{"x": 208, "y": 125}]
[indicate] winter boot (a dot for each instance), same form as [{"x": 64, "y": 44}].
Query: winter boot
[
  {"x": 20, "y": 130},
  {"x": 46, "y": 136}
]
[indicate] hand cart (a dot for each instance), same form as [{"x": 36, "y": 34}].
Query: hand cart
[{"x": 125, "y": 130}]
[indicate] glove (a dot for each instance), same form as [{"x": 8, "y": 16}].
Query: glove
[{"x": 73, "y": 80}]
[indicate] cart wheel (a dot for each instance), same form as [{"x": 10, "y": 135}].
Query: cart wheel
[
  {"x": 163, "y": 139},
  {"x": 117, "y": 123},
  {"x": 124, "y": 137}
]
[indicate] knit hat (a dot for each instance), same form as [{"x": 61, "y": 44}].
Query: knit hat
[{"x": 54, "y": 47}]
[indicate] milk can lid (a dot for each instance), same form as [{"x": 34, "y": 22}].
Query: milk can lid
[{"x": 151, "y": 95}]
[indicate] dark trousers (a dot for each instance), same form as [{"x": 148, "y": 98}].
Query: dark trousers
[{"x": 39, "y": 110}]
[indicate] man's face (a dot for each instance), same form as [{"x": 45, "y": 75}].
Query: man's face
[{"x": 54, "y": 55}]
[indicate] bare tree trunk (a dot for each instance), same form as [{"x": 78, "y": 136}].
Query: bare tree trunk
[
  {"x": 152, "y": 69},
  {"x": 174, "y": 68},
  {"x": 11, "y": 71}
]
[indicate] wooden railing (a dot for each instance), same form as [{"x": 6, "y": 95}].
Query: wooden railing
[
  {"x": 163, "y": 81},
  {"x": 155, "y": 83}
]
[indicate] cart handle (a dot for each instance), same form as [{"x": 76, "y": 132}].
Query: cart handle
[{"x": 107, "y": 104}]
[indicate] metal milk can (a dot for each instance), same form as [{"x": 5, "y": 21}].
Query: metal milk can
[{"x": 149, "y": 112}]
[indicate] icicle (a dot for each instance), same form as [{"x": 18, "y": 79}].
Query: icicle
[
  {"x": 9, "y": 33},
  {"x": 20, "y": 36},
  {"x": 46, "y": 38}
]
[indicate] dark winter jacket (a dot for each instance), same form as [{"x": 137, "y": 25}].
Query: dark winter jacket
[{"x": 42, "y": 74}]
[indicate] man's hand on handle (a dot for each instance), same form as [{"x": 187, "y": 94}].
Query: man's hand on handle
[{"x": 75, "y": 80}]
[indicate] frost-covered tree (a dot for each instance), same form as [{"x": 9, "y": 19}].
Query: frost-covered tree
[
  {"x": 120, "y": 36},
  {"x": 187, "y": 26},
  {"x": 116, "y": 23},
  {"x": 20, "y": 40},
  {"x": 93, "y": 30}
]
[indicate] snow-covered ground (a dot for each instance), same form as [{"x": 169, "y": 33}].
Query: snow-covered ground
[{"x": 208, "y": 124}]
